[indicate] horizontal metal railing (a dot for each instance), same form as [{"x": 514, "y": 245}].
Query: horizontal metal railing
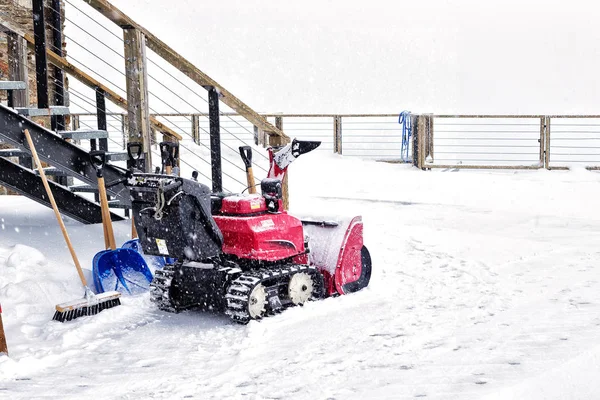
[
  {"x": 458, "y": 141},
  {"x": 488, "y": 141}
]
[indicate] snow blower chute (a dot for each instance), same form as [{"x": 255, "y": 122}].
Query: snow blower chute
[{"x": 243, "y": 254}]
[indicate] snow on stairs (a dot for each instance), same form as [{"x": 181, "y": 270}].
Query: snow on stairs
[
  {"x": 84, "y": 134},
  {"x": 42, "y": 112}
]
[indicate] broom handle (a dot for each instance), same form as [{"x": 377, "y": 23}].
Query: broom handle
[
  {"x": 55, "y": 207},
  {"x": 106, "y": 213}
]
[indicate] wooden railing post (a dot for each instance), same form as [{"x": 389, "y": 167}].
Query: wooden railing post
[
  {"x": 261, "y": 138},
  {"x": 337, "y": 134},
  {"x": 542, "y": 141},
  {"x": 17, "y": 71},
  {"x": 17, "y": 67},
  {"x": 547, "y": 164},
  {"x": 196, "y": 128},
  {"x": 75, "y": 123},
  {"x": 419, "y": 127},
  {"x": 427, "y": 140},
  {"x": 124, "y": 132},
  {"x": 276, "y": 141},
  {"x": 137, "y": 92}
]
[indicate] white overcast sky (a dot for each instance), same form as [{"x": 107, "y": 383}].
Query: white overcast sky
[{"x": 461, "y": 56}]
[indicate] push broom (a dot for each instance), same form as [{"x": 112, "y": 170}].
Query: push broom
[{"x": 91, "y": 303}]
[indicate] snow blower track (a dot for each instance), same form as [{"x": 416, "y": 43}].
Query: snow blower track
[{"x": 239, "y": 293}]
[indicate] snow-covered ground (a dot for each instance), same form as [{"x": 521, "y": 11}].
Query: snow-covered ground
[{"x": 485, "y": 285}]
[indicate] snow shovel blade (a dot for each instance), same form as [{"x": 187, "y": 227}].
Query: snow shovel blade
[
  {"x": 122, "y": 270},
  {"x": 155, "y": 261}
]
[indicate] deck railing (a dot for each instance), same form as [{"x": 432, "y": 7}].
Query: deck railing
[{"x": 450, "y": 141}]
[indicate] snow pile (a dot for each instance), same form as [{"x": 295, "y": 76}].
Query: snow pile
[
  {"x": 485, "y": 285},
  {"x": 26, "y": 283}
]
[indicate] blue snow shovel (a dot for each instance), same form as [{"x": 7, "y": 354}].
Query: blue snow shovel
[{"x": 123, "y": 270}]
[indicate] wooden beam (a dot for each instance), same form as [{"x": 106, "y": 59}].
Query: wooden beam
[
  {"x": 196, "y": 129},
  {"x": 81, "y": 76},
  {"x": 337, "y": 134},
  {"x": 17, "y": 67},
  {"x": 542, "y": 140},
  {"x": 277, "y": 141},
  {"x": 190, "y": 70},
  {"x": 429, "y": 138},
  {"x": 136, "y": 74},
  {"x": 256, "y": 135},
  {"x": 547, "y": 160}
]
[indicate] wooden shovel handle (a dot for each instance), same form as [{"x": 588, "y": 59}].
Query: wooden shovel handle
[
  {"x": 105, "y": 232},
  {"x": 134, "y": 233},
  {"x": 54, "y": 206},
  {"x": 250, "y": 180},
  {"x": 246, "y": 153},
  {"x": 106, "y": 214}
]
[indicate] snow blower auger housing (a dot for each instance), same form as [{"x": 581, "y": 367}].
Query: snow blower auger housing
[{"x": 240, "y": 254}]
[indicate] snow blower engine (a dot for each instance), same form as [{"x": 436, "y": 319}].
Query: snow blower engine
[{"x": 243, "y": 254}]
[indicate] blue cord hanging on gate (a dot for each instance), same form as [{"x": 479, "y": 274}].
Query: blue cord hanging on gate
[{"x": 404, "y": 120}]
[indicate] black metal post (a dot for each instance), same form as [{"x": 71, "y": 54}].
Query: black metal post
[
  {"x": 58, "y": 122},
  {"x": 101, "y": 116},
  {"x": 41, "y": 62},
  {"x": 215, "y": 140}
]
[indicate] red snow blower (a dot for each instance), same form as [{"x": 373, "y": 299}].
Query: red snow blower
[{"x": 243, "y": 254}]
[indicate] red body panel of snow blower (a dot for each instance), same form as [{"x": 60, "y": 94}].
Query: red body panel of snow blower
[{"x": 251, "y": 232}]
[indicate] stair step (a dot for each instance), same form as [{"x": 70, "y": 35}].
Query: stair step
[
  {"x": 43, "y": 112},
  {"x": 83, "y": 135},
  {"x": 13, "y": 153},
  {"x": 52, "y": 171},
  {"x": 83, "y": 188},
  {"x": 13, "y": 85},
  {"x": 117, "y": 156},
  {"x": 116, "y": 204}
]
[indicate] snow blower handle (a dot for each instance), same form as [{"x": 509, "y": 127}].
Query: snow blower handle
[{"x": 246, "y": 153}]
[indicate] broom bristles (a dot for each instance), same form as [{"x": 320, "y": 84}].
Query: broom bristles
[{"x": 86, "y": 306}]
